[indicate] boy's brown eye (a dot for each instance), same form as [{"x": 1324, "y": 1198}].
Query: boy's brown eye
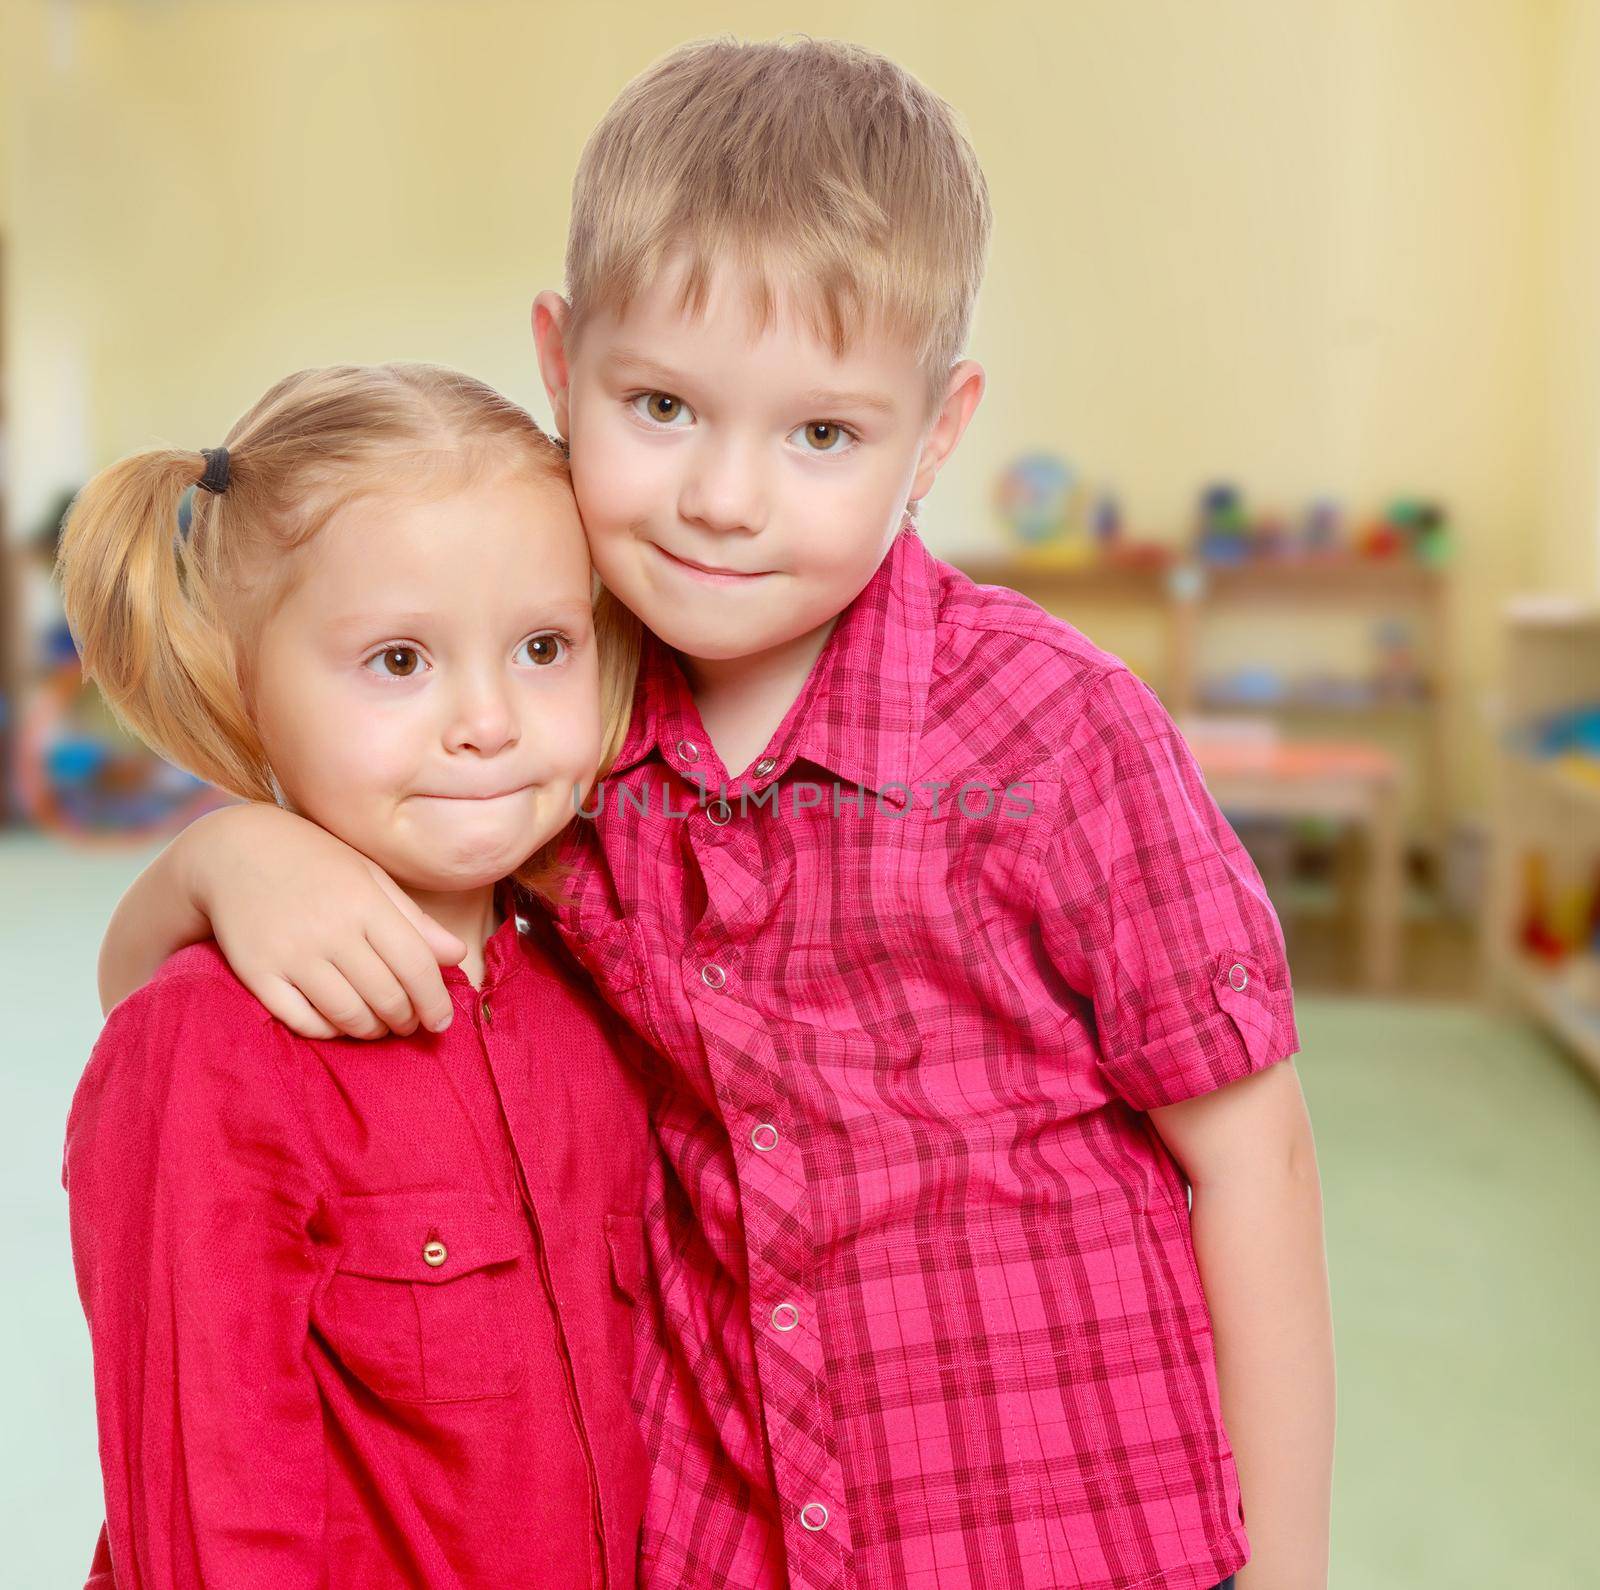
[
  {"x": 822, "y": 436},
  {"x": 663, "y": 406}
]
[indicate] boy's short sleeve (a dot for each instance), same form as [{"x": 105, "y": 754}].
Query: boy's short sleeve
[{"x": 1150, "y": 907}]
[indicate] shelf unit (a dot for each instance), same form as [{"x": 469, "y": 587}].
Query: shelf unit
[
  {"x": 1552, "y": 662},
  {"x": 1187, "y": 596}
]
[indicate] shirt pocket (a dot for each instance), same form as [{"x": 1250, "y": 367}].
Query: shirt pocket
[
  {"x": 625, "y": 1241},
  {"x": 430, "y": 1295}
]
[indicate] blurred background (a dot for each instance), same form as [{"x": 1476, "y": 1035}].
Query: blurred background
[{"x": 1292, "y": 326}]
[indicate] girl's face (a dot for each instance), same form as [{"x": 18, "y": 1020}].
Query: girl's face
[{"x": 428, "y": 690}]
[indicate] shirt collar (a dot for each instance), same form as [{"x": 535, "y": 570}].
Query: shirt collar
[{"x": 860, "y": 712}]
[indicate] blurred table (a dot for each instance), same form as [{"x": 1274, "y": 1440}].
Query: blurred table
[{"x": 1345, "y": 780}]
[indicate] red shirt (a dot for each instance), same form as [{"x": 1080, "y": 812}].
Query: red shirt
[
  {"x": 930, "y": 1313},
  {"x": 362, "y": 1312}
]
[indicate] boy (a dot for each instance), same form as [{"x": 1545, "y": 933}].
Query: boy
[{"x": 962, "y": 981}]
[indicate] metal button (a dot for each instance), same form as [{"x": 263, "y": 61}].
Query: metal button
[
  {"x": 434, "y": 1253},
  {"x": 764, "y": 766},
  {"x": 1238, "y": 978},
  {"x": 764, "y": 1138},
  {"x": 785, "y": 1317},
  {"x": 688, "y": 750},
  {"x": 713, "y": 975},
  {"x": 486, "y": 1010},
  {"x": 814, "y": 1516},
  {"x": 718, "y": 812}
]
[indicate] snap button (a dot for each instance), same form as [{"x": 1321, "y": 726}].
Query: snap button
[
  {"x": 785, "y": 1317},
  {"x": 764, "y": 766},
  {"x": 814, "y": 1516},
  {"x": 486, "y": 1010},
  {"x": 764, "y": 1138},
  {"x": 688, "y": 750},
  {"x": 718, "y": 812},
  {"x": 713, "y": 975},
  {"x": 434, "y": 1253},
  {"x": 1238, "y": 978}
]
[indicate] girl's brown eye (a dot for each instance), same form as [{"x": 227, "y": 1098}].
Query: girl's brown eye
[
  {"x": 822, "y": 435},
  {"x": 663, "y": 406},
  {"x": 542, "y": 650},
  {"x": 399, "y": 662}
]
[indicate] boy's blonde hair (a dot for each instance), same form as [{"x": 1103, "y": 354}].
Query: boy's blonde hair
[
  {"x": 166, "y": 623},
  {"x": 815, "y": 166}
]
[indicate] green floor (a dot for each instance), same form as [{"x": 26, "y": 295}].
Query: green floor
[{"x": 1461, "y": 1162}]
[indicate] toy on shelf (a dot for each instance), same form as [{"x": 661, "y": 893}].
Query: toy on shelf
[
  {"x": 1536, "y": 930},
  {"x": 1408, "y": 528},
  {"x": 1227, "y": 534},
  {"x": 1107, "y": 523},
  {"x": 1061, "y": 525},
  {"x": 1039, "y": 497},
  {"x": 80, "y": 774},
  {"x": 1568, "y": 741},
  {"x": 77, "y": 771},
  {"x": 1322, "y": 531},
  {"x": 1222, "y": 535},
  {"x": 1399, "y": 676}
]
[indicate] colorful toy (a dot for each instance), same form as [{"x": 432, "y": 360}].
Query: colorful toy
[
  {"x": 1399, "y": 675},
  {"x": 1034, "y": 495},
  {"x": 1536, "y": 932},
  {"x": 1222, "y": 534},
  {"x": 79, "y": 773}
]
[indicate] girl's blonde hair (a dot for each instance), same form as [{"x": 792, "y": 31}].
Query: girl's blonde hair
[{"x": 166, "y": 621}]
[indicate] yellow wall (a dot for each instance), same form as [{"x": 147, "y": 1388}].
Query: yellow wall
[
  {"x": 1308, "y": 246},
  {"x": 1569, "y": 545}
]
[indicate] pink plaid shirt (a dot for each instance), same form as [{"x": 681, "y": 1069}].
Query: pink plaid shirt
[{"x": 929, "y": 1313}]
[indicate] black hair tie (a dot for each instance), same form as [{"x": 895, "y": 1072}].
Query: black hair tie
[{"x": 215, "y": 479}]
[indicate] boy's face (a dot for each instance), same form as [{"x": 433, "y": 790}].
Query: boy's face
[{"x": 740, "y": 485}]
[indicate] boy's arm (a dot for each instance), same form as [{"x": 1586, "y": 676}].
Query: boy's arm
[
  {"x": 1257, "y": 1224},
  {"x": 322, "y": 936}
]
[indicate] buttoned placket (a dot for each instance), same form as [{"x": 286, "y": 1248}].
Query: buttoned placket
[
  {"x": 774, "y": 1196},
  {"x": 481, "y": 1001}
]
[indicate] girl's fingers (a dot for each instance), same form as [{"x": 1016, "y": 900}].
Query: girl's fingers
[
  {"x": 294, "y": 1010},
  {"x": 401, "y": 948},
  {"x": 330, "y": 992}
]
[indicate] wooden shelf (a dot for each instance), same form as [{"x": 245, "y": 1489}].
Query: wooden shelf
[
  {"x": 1582, "y": 792},
  {"x": 1140, "y": 581},
  {"x": 1545, "y": 996},
  {"x": 1311, "y": 578},
  {"x": 1544, "y": 807},
  {"x": 1310, "y": 708}
]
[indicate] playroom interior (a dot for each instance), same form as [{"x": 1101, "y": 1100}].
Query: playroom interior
[{"x": 1292, "y": 332}]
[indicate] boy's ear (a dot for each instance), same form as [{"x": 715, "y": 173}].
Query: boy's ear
[
  {"x": 961, "y": 395},
  {"x": 550, "y": 312}
]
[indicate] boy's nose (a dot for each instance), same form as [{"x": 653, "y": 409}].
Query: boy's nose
[{"x": 724, "y": 491}]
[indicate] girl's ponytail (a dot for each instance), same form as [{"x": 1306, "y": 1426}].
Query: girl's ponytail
[{"x": 142, "y": 604}]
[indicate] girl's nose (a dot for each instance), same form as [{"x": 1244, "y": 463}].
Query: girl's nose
[{"x": 485, "y": 719}]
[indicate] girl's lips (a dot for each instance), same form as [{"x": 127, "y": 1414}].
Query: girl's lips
[
  {"x": 700, "y": 572},
  {"x": 498, "y": 795}
]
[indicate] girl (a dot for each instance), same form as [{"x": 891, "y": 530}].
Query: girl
[{"x": 361, "y": 1313}]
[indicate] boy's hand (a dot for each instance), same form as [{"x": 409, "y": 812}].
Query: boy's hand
[{"x": 322, "y": 936}]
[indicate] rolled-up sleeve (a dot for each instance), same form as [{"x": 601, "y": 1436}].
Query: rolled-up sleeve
[
  {"x": 1148, "y": 905},
  {"x": 191, "y": 1204}
]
